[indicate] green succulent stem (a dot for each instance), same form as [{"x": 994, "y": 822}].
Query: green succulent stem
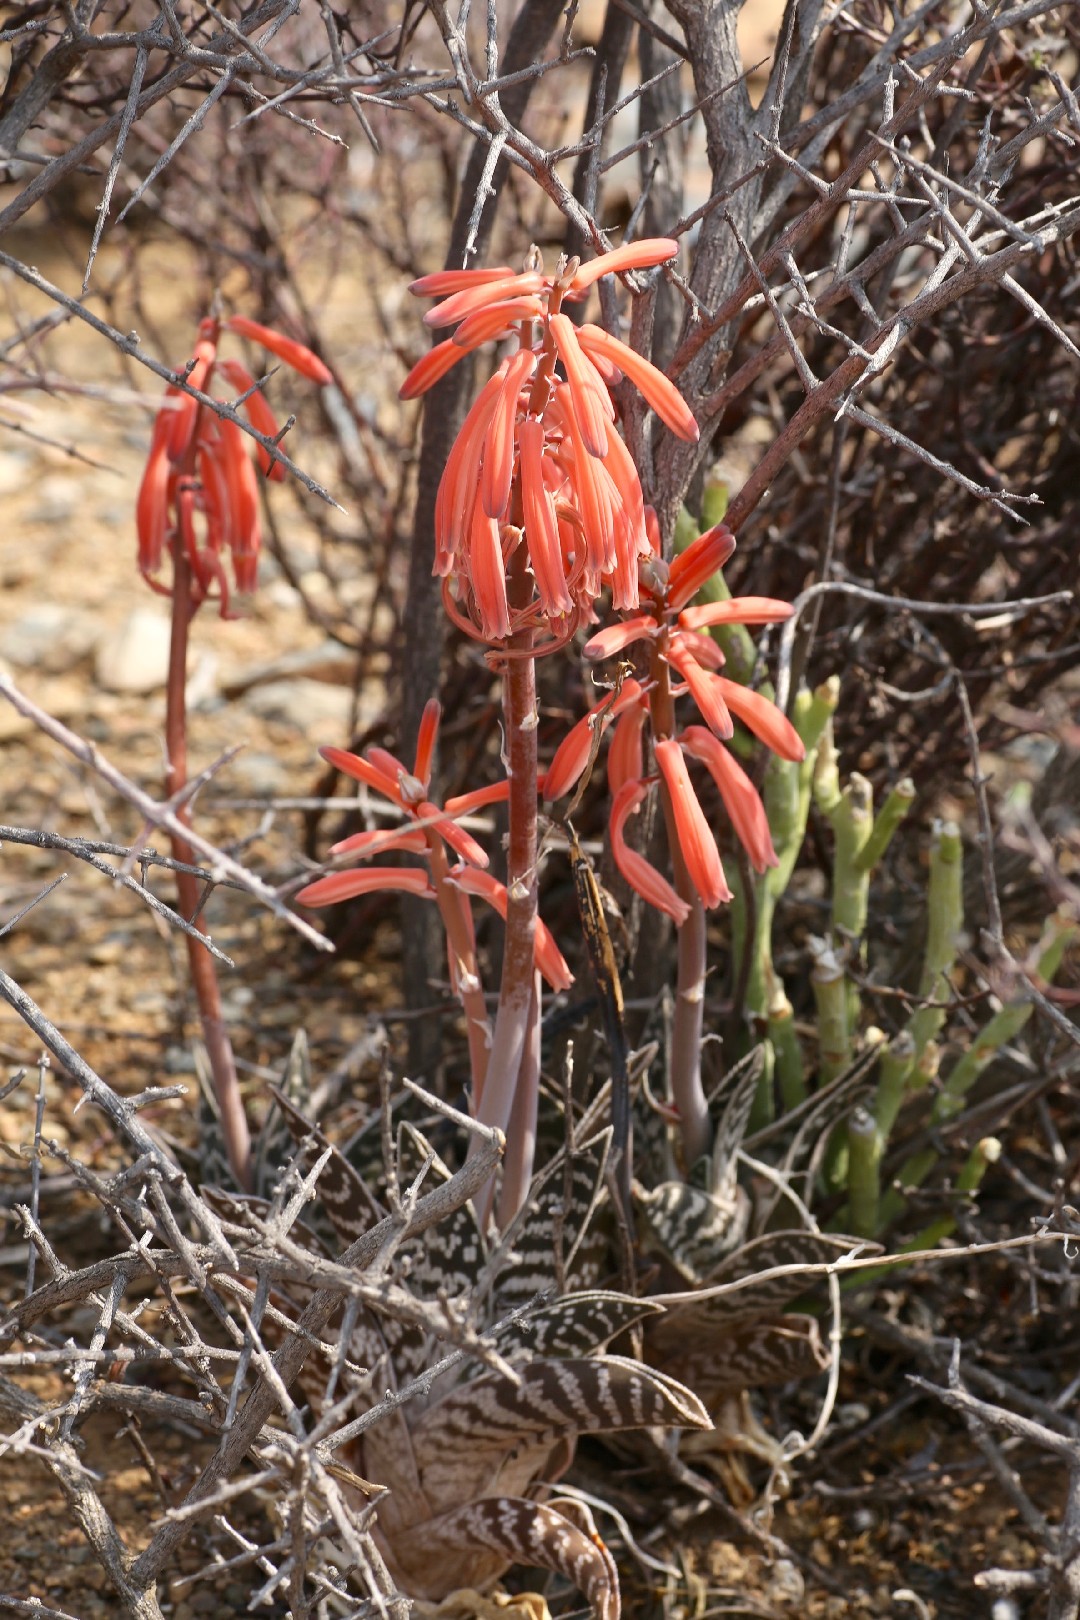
[
  {"x": 827, "y": 773},
  {"x": 852, "y": 822},
  {"x": 945, "y": 906},
  {"x": 834, "y": 1034},
  {"x": 1006, "y": 1023},
  {"x": 894, "y": 1075},
  {"x": 783, "y": 1038},
  {"x": 863, "y": 1188},
  {"x": 852, "y": 819},
  {"x": 787, "y": 792},
  {"x": 887, "y": 820},
  {"x": 985, "y": 1153}
]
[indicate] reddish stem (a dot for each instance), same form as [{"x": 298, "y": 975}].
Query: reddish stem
[
  {"x": 687, "y": 1091},
  {"x": 518, "y": 1009},
  {"x": 200, "y": 962},
  {"x": 521, "y": 1135},
  {"x": 452, "y": 904}
]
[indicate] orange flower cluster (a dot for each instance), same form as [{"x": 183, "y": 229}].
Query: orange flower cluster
[
  {"x": 673, "y": 631},
  {"x": 199, "y": 490},
  {"x": 426, "y": 829},
  {"x": 539, "y": 461}
]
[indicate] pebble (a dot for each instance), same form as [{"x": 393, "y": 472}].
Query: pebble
[
  {"x": 135, "y": 658},
  {"x": 58, "y": 499},
  {"x": 258, "y": 774},
  {"x": 329, "y": 663},
  {"x": 50, "y": 638},
  {"x": 321, "y": 711}
]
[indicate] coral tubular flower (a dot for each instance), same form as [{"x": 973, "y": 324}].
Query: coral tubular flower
[
  {"x": 738, "y": 610},
  {"x": 388, "y": 777},
  {"x": 696, "y": 842},
  {"x": 572, "y": 754},
  {"x": 497, "y": 469},
  {"x": 706, "y": 689},
  {"x": 675, "y": 637},
  {"x": 626, "y": 755},
  {"x": 702, "y": 558},
  {"x": 366, "y": 844},
  {"x": 328, "y": 891},
  {"x": 642, "y": 877},
  {"x": 660, "y": 393},
  {"x": 547, "y": 956},
  {"x": 643, "y": 255},
  {"x": 764, "y": 719},
  {"x": 199, "y": 495},
  {"x": 541, "y": 524},
  {"x": 617, "y": 637},
  {"x": 259, "y": 414},
  {"x": 296, "y": 355},
  {"x": 591, "y": 402},
  {"x": 741, "y": 799},
  {"x": 539, "y": 453},
  {"x": 441, "y": 282}
]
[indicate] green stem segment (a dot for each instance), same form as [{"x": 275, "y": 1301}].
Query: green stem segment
[
  {"x": 1006, "y": 1023},
  {"x": 787, "y": 793},
  {"x": 946, "y": 919},
  {"x": 862, "y": 1174}
]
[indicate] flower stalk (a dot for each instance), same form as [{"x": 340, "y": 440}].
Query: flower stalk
[
  {"x": 198, "y": 507},
  {"x": 204, "y": 979}
]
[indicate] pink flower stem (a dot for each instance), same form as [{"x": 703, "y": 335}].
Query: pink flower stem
[
  {"x": 452, "y": 908},
  {"x": 521, "y": 1133},
  {"x": 519, "y": 1009},
  {"x": 201, "y": 964},
  {"x": 687, "y": 1091}
]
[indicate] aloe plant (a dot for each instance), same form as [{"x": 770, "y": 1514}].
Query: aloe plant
[{"x": 460, "y": 1461}]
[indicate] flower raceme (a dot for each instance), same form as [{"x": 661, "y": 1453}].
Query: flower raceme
[
  {"x": 199, "y": 490},
  {"x": 676, "y": 638},
  {"x": 427, "y": 829},
  {"x": 539, "y": 461}
]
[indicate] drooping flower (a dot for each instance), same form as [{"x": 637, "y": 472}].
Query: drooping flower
[
  {"x": 539, "y": 460},
  {"x": 199, "y": 490},
  {"x": 427, "y": 829},
  {"x": 675, "y": 636}
]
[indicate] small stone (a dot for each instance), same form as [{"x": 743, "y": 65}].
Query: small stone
[
  {"x": 49, "y": 637},
  {"x": 58, "y": 499},
  {"x": 306, "y": 705},
  {"x": 258, "y": 774},
  {"x": 135, "y": 658}
]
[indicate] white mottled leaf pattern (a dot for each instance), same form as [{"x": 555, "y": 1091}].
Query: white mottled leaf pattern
[
  {"x": 694, "y": 1229},
  {"x": 474, "y": 1432},
  {"x": 472, "y": 1545}
]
